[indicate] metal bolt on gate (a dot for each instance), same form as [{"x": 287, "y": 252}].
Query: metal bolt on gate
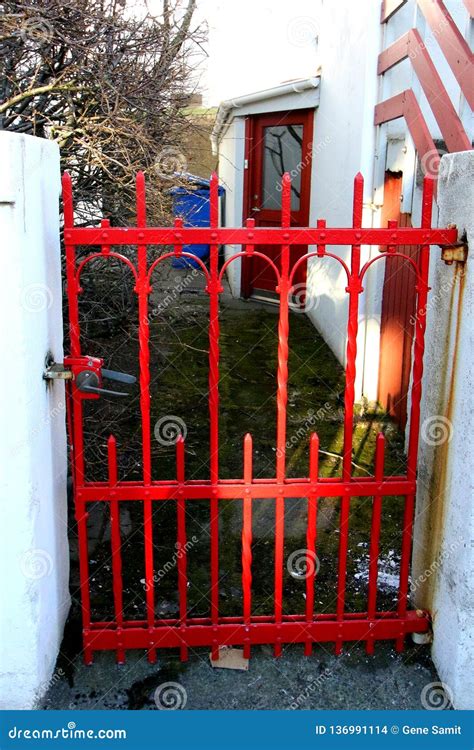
[{"x": 277, "y": 628}]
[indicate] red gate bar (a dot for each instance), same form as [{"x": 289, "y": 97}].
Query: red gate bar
[
  {"x": 75, "y": 414},
  {"x": 259, "y": 489},
  {"x": 115, "y": 544},
  {"x": 213, "y": 289},
  {"x": 311, "y": 531},
  {"x": 259, "y": 236},
  {"x": 375, "y": 537},
  {"x": 354, "y": 288},
  {"x": 282, "y": 399},
  {"x": 104, "y": 636},
  {"x": 182, "y": 551},
  {"x": 414, "y": 433},
  {"x": 247, "y": 542},
  {"x": 279, "y": 628},
  {"x": 143, "y": 290}
]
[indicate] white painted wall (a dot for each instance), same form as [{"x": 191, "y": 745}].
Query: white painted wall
[
  {"x": 231, "y": 176},
  {"x": 443, "y": 556},
  {"x": 344, "y": 142},
  {"x": 350, "y": 41},
  {"x": 34, "y": 555},
  {"x": 254, "y": 45}
]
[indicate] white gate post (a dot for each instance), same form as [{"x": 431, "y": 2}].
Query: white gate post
[
  {"x": 443, "y": 552},
  {"x": 34, "y": 555}
]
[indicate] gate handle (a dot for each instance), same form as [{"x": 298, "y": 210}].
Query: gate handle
[
  {"x": 87, "y": 381},
  {"x": 120, "y": 377}
]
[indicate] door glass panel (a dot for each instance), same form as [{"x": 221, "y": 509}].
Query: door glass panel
[{"x": 282, "y": 152}]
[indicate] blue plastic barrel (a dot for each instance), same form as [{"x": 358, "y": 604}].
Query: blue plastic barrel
[{"x": 193, "y": 206}]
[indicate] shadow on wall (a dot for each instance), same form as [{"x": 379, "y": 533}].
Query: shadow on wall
[{"x": 327, "y": 304}]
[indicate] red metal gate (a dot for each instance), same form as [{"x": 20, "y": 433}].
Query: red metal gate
[{"x": 184, "y": 631}]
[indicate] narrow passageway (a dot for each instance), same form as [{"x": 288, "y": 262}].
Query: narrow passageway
[
  {"x": 179, "y": 404},
  {"x": 248, "y": 365}
]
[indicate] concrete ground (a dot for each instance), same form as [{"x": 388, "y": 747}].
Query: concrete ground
[{"x": 386, "y": 680}]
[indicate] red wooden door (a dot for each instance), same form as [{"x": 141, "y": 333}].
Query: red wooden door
[
  {"x": 398, "y": 309},
  {"x": 276, "y": 143}
]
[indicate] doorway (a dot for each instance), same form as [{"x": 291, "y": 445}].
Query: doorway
[{"x": 276, "y": 143}]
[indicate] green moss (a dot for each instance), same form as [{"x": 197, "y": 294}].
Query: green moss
[{"x": 248, "y": 365}]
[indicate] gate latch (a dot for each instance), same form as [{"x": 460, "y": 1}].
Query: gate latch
[{"x": 87, "y": 374}]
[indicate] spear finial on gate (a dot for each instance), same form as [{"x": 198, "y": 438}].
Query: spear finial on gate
[
  {"x": 285, "y": 200},
  {"x": 313, "y": 457},
  {"x": 248, "y": 448},
  {"x": 180, "y": 458},
  {"x": 141, "y": 199},
  {"x": 358, "y": 200},
  {"x": 112, "y": 459},
  {"x": 67, "y": 200},
  {"x": 214, "y": 199}
]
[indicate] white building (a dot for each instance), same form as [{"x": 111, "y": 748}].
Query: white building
[
  {"x": 391, "y": 90},
  {"x": 335, "y": 110}
]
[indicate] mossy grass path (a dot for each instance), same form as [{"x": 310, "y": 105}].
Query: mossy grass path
[{"x": 179, "y": 388}]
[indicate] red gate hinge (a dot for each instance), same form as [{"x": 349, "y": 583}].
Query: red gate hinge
[
  {"x": 455, "y": 253},
  {"x": 57, "y": 371}
]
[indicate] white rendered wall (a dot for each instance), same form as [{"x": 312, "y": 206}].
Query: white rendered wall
[
  {"x": 443, "y": 556},
  {"x": 350, "y": 40},
  {"x": 344, "y": 142},
  {"x": 231, "y": 176},
  {"x": 34, "y": 556}
]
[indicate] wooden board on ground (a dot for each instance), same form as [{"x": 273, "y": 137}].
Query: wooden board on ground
[{"x": 230, "y": 658}]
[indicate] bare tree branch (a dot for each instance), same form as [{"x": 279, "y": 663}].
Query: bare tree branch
[{"x": 109, "y": 83}]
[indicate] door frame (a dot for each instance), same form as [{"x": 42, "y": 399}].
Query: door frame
[{"x": 251, "y": 121}]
